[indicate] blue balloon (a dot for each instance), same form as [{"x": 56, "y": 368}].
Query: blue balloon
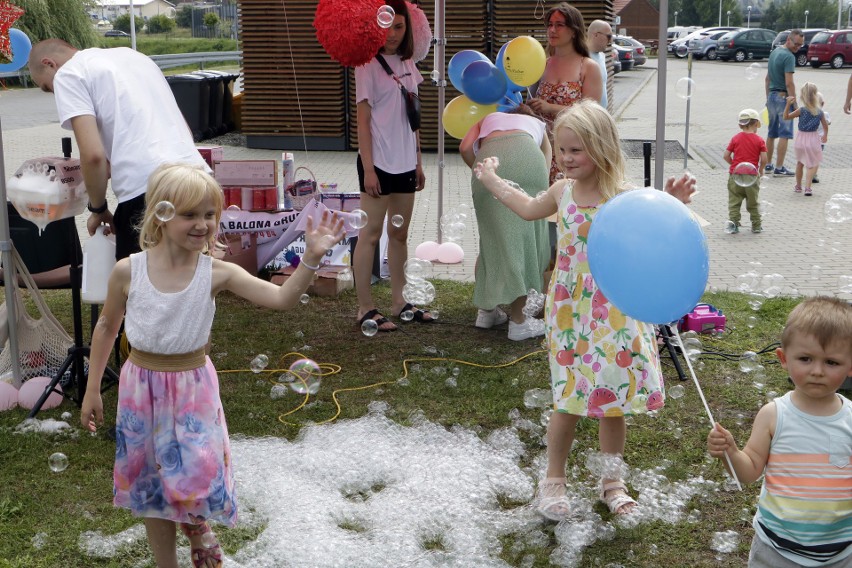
[
  {"x": 459, "y": 63},
  {"x": 648, "y": 255},
  {"x": 483, "y": 83},
  {"x": 514, "y": 87},
  {"x": 510, "y": 101},
  {"x": 21, "y": 46}
]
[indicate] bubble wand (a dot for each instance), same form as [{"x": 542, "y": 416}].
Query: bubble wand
[{"x": 704, "y": 401}]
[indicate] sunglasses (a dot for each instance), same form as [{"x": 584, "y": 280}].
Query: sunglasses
[{"x": 608, "y": 36}]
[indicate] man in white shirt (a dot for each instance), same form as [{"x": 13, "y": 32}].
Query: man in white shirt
[
  {"x": 600, "y": 35},
  {"x": 126, "y": 123}
]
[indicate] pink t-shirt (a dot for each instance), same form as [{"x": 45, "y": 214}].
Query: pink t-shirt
[
  {"x": 394, "y": 143},
  {"x": 501, "y": 122}
]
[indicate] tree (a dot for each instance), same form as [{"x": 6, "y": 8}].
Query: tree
[
  {"x": 821, "y": 13},
  {"x": 64, "y": 19},
  {"x": 770, "y": 17},
  {"x": 183, "y": 17},
  {"x": 160, "y": 24},
  {"x": 211, "y": 20},
  {"x": 122, "y": 23}
]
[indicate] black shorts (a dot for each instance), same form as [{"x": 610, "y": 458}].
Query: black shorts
[
  {"x": 405, "y": 182},
  {"x": 126, "y": 222}
]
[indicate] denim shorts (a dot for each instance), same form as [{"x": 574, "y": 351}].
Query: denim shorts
[{"x": 778, "y": 127}]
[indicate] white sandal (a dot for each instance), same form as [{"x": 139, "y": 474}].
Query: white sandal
[
  {"x": 552, "y": 499},
  {"x": 614, "y": 496}
]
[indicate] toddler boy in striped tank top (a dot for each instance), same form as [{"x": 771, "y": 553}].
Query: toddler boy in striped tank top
[{"x": 802, "y": 444}]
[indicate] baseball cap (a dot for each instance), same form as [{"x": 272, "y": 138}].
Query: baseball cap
[{"x": 747, "y": 115}]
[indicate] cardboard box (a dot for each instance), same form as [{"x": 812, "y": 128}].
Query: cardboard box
[
  {"x": 325, "y": 282},
  {"x": 251, "y": 173},
  {"x": 211, "y": 154},
  {"x": 240, "y": 248}
]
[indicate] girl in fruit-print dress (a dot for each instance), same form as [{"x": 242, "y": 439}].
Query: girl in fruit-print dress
[{"x": 603, "y": 364}]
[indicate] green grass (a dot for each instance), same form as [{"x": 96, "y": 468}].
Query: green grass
[
  {"x": 159, "y": 44},
  {"x": 35, "y": 500}
]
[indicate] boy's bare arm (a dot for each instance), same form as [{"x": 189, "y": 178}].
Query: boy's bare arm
[{"x": 728, "y": 157}]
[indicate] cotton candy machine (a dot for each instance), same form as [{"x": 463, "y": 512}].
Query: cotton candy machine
[{"x": 47, "y": 189}]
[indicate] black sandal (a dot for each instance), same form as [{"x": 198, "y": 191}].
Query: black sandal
[
  {"x": 418, "y": 314},
  {"x": 379, "y": 322}
]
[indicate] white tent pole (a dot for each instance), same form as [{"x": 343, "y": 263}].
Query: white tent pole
[
  {"x": 441, "y": 82},
  {"x": 662, "y": 57},
  {"x": 10, "y": 273},
  {"x": 132, "y": 27}
]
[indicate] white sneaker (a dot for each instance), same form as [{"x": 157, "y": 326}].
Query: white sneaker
[
  {"x": 486, "y": 319},
  {"x": 530, "y": 328}
]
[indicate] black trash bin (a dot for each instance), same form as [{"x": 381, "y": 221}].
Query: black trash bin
[
  {"x": 228, "y": 82},
  {"x": 192, "y": 94},
  {"x": 217, "y": 94}
]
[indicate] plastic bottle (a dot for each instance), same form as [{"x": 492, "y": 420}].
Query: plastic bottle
[{"x": 98, "y": 260}]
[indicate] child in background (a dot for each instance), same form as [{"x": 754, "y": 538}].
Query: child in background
[
  {"x": 589, "y": 377},
  {"x": 746, "y": 147},
  {"x": 173, "y": 461},
  {"x": 808, "y": 143},
  {"x": 821, "y": 130},
  {"x": 802, "y": 443}
]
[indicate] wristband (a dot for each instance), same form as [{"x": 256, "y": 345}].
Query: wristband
[
  {"x": 308, "y": 266},
  {"x": 97, "y": 210}
]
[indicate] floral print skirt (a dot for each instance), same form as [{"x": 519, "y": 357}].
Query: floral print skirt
[{"x": 172, "y": 455}]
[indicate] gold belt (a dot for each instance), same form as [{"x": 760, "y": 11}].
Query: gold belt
[{"x": 160, "y": 362}]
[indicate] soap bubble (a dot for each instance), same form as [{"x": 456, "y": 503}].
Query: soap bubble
[
  {"x": 844, "y": 284},
  {"x": 753, "y": 71},
  {"x": 66, "y": 416},
  {"x": 369, "y": 328},
  {"x": 725, "y": 541},
  {"x": 676, "y": 392},
  {"x": 816, "y": 272},
  {"x": 764, "y": 207},
  {"x": 58, "y": 462},
  {"x": 307, "y": 376},
  {"x": 259, "y": 363},
  {"x": 384, "y": 16},
  {"x": 752, "y": 321},
  {"x": 304, "y": 298},
  {"x": 417, "y": 269},
  {"x": 397, "y": 220},
  {"x": 682, "y": 50},
  {"x": 232, "y": 212},
  {"x": 534, "y": 304},
  {"x": 164, "y": 211},
  {"x": 692, "y": 348},
  {"x": 345, "y": 275},
  {"x": 748, "y": 362},
  {"x": 838, "y": 208},
  {"x": 745, "y": 174},
  {"x": 407, "y": 315},
  {"x": 685, "y": 87},
  {"x": 359, "y": 217},
  {"x": 755, "y": 301},
  {"x": 278, "y": 391},
  {"x": 538, "y": 398},
  {"x": 764, "y": 183},
  {"x": 419, "y": 292},
  {"x": 772, "y": 284}
]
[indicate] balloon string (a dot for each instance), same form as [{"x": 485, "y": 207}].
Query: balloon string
[{"x": 704, "y": 401}]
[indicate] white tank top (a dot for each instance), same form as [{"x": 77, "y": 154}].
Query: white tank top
[{"x": 169, "y": 323}]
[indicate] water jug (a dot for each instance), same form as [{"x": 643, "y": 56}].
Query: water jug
[{"x": 98, "y": 260}]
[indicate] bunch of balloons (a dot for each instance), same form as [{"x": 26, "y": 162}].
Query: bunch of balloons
[{"x": 488, "y": 87}]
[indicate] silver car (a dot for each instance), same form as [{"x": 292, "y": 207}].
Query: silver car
[{"x": 705, "y": 46}]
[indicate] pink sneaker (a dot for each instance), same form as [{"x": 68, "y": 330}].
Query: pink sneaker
[{"x": 798, "y": 189}]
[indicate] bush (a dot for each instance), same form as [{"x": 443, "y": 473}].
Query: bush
[
  {"x": 160, "y": 24},
  {"x": 64, "y": 19},
  {"x": 183, "y": 17},
  {"x": 122, "y": 23},
  {"x": 211, "y": 19}
]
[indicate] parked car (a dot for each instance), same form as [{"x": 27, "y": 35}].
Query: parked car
[
  {"x": 616, "y": 62},
  {"x": 637, "y": 46},
  {"x": 116, "y": 33},
  {"x": 625, "y": 55},
  {"x": 802, "y": 54},
  {"x": 832, "y": 47},
  {"x": 684, "y": 41},
  {"x": 705, "y": 45},
  {"x": 748, "y": 43}
]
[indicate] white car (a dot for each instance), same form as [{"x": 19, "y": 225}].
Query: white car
[{"x": 684, "y": 41}]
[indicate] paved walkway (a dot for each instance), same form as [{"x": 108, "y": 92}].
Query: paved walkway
[{"x": 795, "y": 239}]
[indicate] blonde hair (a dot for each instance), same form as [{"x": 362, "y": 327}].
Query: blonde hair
[
  {"x": 595, "y": 127},
  {"x": 184, "y": 186},
  {"x": 809, "y": 97},
  {"x": 826, "y": 319}
]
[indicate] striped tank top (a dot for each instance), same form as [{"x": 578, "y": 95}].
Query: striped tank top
[{"x": 805, "y": 506}]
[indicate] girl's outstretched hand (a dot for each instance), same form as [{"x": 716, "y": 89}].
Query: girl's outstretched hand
[
  {"x": 327, "y": 233},
  {"x": 485, "y": 167},
  {"x": 681, "y": 188}
]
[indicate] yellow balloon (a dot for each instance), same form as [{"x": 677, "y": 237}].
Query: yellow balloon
[
  {"x": 461, "y": 113},
  {"x": 524, "y": 60},
  {"x": 764, "y": 117}
]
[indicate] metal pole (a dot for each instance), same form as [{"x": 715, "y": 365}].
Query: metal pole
[
  {"x": 660, "y": 151},
  {"x": 132, "y": 27},
  {"x": 10, "y": 274},
  {"x": 439, "y": 79},
  {"x": 688, "y": 106},
  {"x": 720, "y": 15},
  {"x": 839, "y": 10}
]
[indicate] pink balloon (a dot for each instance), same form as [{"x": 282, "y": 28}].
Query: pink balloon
[
  {"x": 427, "y": 250},
  {"x": 31, "y": 391},
  {"x": 450, "y": 253},
  {"x": 8, "y": 396}
]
